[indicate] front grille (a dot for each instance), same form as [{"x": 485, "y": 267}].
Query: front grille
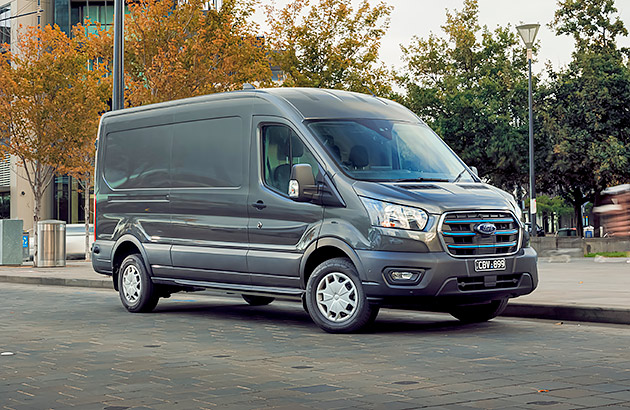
[
  {"x": 466, "y": 283},
  {"x": 461, "y": 239}
]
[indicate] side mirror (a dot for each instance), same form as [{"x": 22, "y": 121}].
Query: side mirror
[
  {"x": 302, "y": 186},
  {"x": 474, "y": 170}
]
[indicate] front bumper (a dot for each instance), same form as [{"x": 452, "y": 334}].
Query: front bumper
[{"x": 445, "y": 279}]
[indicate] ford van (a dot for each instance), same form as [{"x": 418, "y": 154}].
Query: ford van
[{"x": 345, "y": 201}]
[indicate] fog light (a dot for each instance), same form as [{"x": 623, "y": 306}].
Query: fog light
[{"x": 403, "y": 276}]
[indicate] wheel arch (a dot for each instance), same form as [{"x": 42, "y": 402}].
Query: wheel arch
[
  {"x": 323, "y": 250},
  {"x": 125, "y": 246}
]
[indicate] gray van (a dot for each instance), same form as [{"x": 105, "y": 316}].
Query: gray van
[{"x": 345, "y": 201}]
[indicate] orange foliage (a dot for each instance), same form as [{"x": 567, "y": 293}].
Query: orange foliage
[
  {"x": 51, "y": 93},
  {"x": 176, "y": 49}
]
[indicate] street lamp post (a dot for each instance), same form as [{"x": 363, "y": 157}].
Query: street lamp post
[
  {"x": 528, "y": 34},
  {"x": 118, "y": 92}
]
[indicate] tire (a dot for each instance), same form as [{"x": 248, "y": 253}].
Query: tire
[
  {"x": 479, "y": 313},
  {"x": 257, "y": 300},
  {"x": 335, "y": 299},
  {"x": 373, "y": 315},
  {"x": 137, "y": 292}
]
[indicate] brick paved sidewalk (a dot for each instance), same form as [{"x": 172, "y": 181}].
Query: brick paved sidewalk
[{"x": 582, "y": 289}]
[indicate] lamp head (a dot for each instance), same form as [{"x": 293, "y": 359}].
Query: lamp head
[{"x": 528, "y": 33}]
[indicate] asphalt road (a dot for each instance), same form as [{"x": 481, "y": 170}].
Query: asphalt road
[{"x": 76, "y": 347}]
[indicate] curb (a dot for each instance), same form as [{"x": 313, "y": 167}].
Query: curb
[
  {"x": 514, "y": 309},
  {"x": 48, "y": 281},
  {"x": 570, "y": 313}
]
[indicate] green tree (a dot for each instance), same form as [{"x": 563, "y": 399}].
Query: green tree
[
  {"x": 593, "y": 24},
  {"x": 471, "y": 87},
  {"x": 585, "y": 116},
  {"x": 330, "y": 45}
]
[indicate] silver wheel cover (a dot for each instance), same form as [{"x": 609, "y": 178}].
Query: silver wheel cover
[
  {"x": 131, "y": 284},
  {"x": 336, "y": 297}
]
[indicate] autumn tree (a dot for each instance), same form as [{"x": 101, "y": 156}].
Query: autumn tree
[
  {"x": 177, "y": 49},
  {"x": 470, "y": 84},
  {"x": 50, "y": 99},
  {"x": 586, "y": 115},
  {"x": 328, "y": 44}
]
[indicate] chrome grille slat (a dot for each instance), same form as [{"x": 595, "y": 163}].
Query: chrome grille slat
[{"x": 460, "y": 238}]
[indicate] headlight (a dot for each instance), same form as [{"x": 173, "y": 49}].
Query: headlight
[{"x": 395, "y": 216}]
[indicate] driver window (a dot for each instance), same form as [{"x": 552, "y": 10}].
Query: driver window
[{"x": 282, "y": 148}]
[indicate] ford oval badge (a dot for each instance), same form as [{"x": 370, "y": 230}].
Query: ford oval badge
[{"x": 486, "y": 228}]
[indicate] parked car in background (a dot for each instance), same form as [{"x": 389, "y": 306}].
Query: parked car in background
[
  {"x": 539, "y": 231},
  {"x": 567, "y": 232},
  {"x": 75, "y": 241}
]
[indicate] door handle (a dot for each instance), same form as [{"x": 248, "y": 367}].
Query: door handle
[{"x": 259, "y": 205}]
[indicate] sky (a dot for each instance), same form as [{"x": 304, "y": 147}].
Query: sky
[{"x": 421, "y": 17}]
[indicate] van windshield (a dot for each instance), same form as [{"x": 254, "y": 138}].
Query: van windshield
[{"x": 383, "y": 150}]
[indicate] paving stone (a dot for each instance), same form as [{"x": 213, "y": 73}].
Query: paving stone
[
  {"x": 202, "y": 351},
  {"x": 570, "y": 393}
]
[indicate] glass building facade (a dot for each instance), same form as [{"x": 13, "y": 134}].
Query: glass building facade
[
  {"x": 69, "y": 200},
  {"x": 5, "y": 25},
  {"x": 69, "y": 13},
  {"x": 68, "y": 196}
]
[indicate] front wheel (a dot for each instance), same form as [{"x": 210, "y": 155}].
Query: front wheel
[
  {"x": 479, "y": 313},
  {"x": 335, "y": 299},
  {"x": 136, "y": 290}
]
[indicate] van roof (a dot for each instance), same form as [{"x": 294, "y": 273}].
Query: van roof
[
  {"x": 314, "y": 103},
  {"x": 310, "y": 103}
]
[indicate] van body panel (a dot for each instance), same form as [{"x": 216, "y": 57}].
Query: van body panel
[{"x": 208, "y": 223}]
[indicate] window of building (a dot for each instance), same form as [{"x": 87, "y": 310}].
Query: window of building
[
  {"x": 138, "y": 158},
  {"x": 69, "y": 200},
  {"x": 5, "y": 205},
  {"x": 282, "y": 148},
  {"x": 208, "y": 153},
  {"x": 96, "y": 12},
  {"x": 5, "y": 26}
]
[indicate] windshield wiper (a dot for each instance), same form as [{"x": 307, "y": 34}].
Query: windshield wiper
[{"x": 459, "y": 176}]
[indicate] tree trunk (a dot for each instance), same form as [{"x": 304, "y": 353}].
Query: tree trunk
[
  {"x": 578, "y": 200},
  {"x": 86, "y": 211},
  {"x": 577, "y": 207},
  {"x": 37, "y": 199}
]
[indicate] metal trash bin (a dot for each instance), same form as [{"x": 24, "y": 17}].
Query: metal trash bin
[{"x": 51, "y": 243}]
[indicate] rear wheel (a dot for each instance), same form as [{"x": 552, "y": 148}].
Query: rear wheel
[
  {"x": 479, "y": 313},
  {"x": 257, "y": 300},
  {"x": 137, "y": 292},
  {"x": 335, "y": 299}
]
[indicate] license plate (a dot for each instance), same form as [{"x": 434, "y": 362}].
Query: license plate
[{"x": 485, "y": 265}]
